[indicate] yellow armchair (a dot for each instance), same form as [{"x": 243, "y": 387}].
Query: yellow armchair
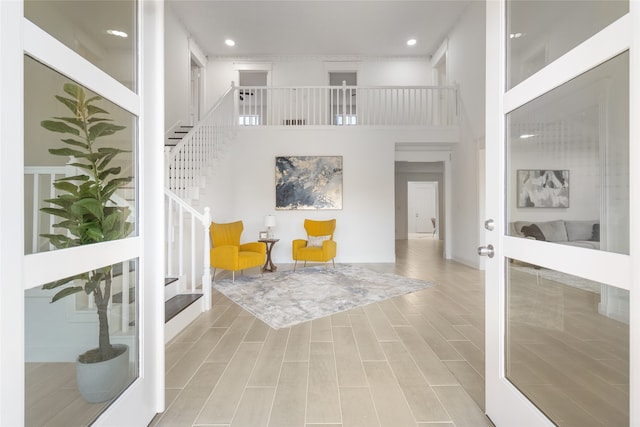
[
  {"x": 228, "y": 254},
  {"x": 319, "y": 246}
]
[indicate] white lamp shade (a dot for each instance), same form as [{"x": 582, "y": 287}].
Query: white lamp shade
[{"x": 269, "y": 221}]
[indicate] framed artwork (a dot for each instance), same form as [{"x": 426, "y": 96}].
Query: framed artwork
[
  {"x": 539, "y": 188},
  {"x": 309, "y": 182},
  {"x": 263, "y": 235}
]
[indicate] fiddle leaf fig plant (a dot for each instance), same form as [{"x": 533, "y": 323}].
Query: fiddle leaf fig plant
[{"x": 84, "y": 202}]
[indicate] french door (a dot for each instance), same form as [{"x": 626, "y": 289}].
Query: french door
[
  {"x": 562, "y": 232},
  {"x": 94, "y": 66}
]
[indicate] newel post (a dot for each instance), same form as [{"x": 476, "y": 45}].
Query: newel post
[{"x": 206, "y": 266}]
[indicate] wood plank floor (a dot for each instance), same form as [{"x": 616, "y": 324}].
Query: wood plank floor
[{"x": 414, "y": 360}]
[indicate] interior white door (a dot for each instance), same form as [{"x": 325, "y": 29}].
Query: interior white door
[
  {"x": 531, "y": 315},
  {"x": 425, "y": 203}
]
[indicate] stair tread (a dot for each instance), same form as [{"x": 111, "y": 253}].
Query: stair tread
[
  {"x": 169, "y": 280},
  {"x": 178, "y": 303}
]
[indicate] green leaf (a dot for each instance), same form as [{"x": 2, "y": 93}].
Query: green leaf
[
  {"x": 71, "y": 104},
  {"x": 82, "y": 166},
  {"x": 58, "y": 240},
  {"x": 66, "y": 152},
  {"x": 66, "y": 186},
  {"x": 92, "y": 99},
  {"x": 57, "y": 212},
  {"x": 74, "y": 178},
  {"x": 92, "y": 109},
  {"x": 112, "y": 150},
  {"x": 110, "y": 171},
  {"x": 61, "y": 282},
  {"x": 59, "y": 127},
  {"x": 73, "y": 90},
  {"x": 98, "y": 119},
  {"x": 76, "y": 143},
  {"x": 110, "y": 221},
  {"x": 95, "y": 234},
  {"x": 103, "y": 129},
  {"x": 66, "y": 292},
  {"x": 93, "y": 206},
  {"x": 61, "y": 201},
  {"x": 74, "y": 121},
  {"x": 114, "y": 184}
]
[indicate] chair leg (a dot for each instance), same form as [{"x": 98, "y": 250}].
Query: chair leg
[
  {"x": 333, "y": 260},
  {"x": 233, "y": 276},
  {"x": 214, "y": 274},
  {"x": 294, "y": 265}
]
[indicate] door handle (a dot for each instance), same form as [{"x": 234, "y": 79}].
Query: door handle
[
  {"x": 489, "y": 224},
  {"x": 486, "y": 251}
]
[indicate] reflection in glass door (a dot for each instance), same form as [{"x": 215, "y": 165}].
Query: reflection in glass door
[{"x": 559, "y": 291}]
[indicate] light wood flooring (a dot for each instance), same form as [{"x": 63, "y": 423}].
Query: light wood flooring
[{"x": 414, "y": 360}]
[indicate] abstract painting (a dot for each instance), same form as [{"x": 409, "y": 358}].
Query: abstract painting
[
  {"x": 308, "y": 182},
  {"x": 543, "y": 188}
]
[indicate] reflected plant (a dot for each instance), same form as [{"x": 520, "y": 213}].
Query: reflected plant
[{"x": 84, "y": 203}]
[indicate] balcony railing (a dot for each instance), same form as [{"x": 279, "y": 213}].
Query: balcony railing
[{"x": 346, "y": 106}]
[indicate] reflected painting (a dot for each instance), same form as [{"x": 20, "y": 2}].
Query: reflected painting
[
  {"x": 543, "y": 188},
  {"x": 308, "y": 182}
]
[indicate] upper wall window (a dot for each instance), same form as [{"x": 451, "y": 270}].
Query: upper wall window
[
  {"x": 539, "y": 32},
  {"x": 102, "y": 32}
]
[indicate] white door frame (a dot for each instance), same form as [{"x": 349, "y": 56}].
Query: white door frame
[
  {"x": 505, "y": 405},
  {"x": 145, "y": 397}
]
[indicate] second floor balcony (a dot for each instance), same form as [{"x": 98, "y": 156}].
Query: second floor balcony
[{"x": 420, "y": 106}]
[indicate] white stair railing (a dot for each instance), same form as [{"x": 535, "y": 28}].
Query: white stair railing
[
  {"x": 189, "y": 161},
  {"x": 347, "y": 106},
  {"x": 187, "y": 246}
]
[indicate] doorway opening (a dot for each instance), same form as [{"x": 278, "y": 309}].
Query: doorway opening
[
  {"x": 343, "y": 103},
  {"x": 422, "y": 209}
]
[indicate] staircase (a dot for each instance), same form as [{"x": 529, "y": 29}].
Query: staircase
[{"x": 190, "y": 154}]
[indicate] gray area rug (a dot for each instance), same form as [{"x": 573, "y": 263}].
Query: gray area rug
[{"x": 286, "y": 298}]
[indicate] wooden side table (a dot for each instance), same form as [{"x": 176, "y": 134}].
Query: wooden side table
[{"x": 268, "y": 265}]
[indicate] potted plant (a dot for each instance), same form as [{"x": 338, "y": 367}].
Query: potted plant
[{"x": 88, "y": 215}]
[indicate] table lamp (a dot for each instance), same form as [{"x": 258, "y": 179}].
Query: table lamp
[{"x": 269, "y": 222}]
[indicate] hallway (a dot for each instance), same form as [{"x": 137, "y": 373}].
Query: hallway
[{"x": 414, "y": 360}]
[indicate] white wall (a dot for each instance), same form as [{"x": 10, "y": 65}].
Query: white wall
[
  {"x": 244, "y": 188},
  {"x": 177, "y": 71},
  {"x": 465, "y": 58},
  {"x": 314, "y": 72}
]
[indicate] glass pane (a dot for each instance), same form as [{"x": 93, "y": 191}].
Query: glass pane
[
  {"x": 541, "y": 31},
  {"x": 567, "y": 345},
  {"x": 66, "y": 381},
  {"x": 99, "y": 204},
  {"x": 568, "y": 162},
  {"x": 102, "y": 32}
]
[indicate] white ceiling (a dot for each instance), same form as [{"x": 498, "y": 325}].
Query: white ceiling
[{"x": 318, "y": 27}]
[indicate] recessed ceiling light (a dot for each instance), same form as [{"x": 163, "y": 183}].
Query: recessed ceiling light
[
  {"x": 527, "y": 135},
  {"x": 118, "y": 33},
  {"x": 411, "y": 42},
  {"x": 515, "y": 35},
  {"x": 229, "y": 42}
]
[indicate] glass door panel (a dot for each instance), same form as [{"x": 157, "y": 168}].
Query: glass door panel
[
  {"x": 568, "y": 345},
  {"x": 568, "y": 162},
  {"x": 102, "y": 155},
  {"x": 539, "y": 32},
  {"x": 82, "y": 349},
  {"x": 102, "y": 32}
]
